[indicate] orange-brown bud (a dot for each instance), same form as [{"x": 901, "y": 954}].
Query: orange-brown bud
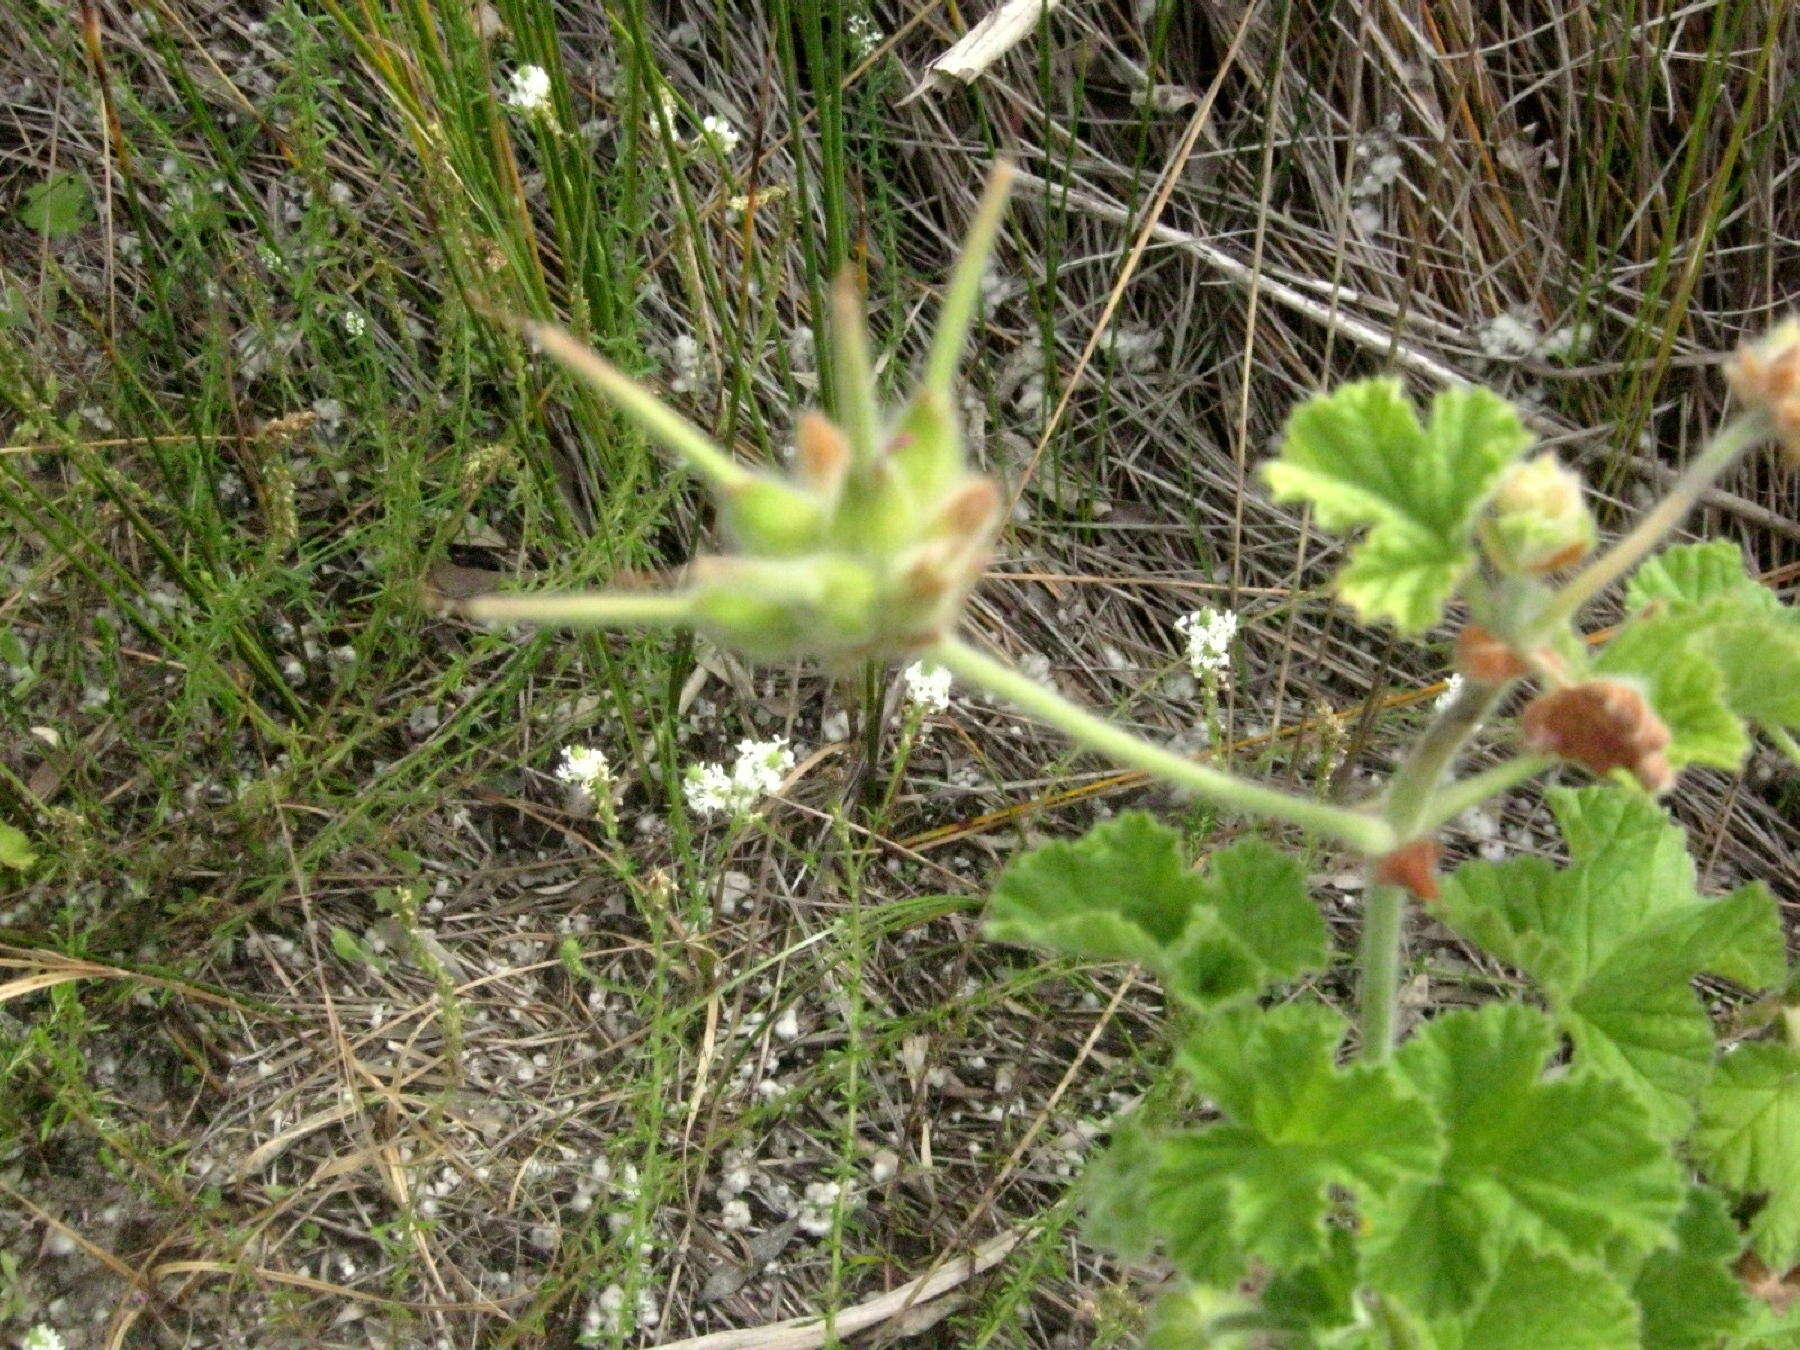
[
  {"x": 1412, "y": 866},
  {"x": 1765, "y": 374},
  {"x": 1602, "y": 725},
  {"x": 1486, "y": 658}
]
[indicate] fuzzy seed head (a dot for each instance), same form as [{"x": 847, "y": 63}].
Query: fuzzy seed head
[{"x": 1765, "y": 374}]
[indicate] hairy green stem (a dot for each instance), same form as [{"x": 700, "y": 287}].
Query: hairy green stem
[
  {"x": 1358, "y": 829},
  {"x": 596, "y": 609},
  {"x": 1378, "y": 956},
  {"x": 1477, "y": 788},
  {"x": 1411, "y": 795},
  {"x": 1718, "y": 455},
  {"x": 1420, "y": 779}
]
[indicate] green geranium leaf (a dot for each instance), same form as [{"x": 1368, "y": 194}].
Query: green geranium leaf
[
  {"x": 1616, "y": 938},
  {"x": 1116, "y": 1192},
  {"x": 1569, "y": 1165},
  {"x": 1690, "y": 577},
  {"x": 1760, "y": 660},
  {"x": 1689, "y": 1296},
  {"x": 1545, "y": 1301},
  {"x": 1687, "y": 689},
  {"x": 1124, "y": 892},
  {"x": 1318, "y": 1296},
  {"x": 1360, "y": 456},
  {"x": 1296, "y": 1126},
  {"x": 1708, "y": 609},
  {"x": 1748, "y": 1140}
]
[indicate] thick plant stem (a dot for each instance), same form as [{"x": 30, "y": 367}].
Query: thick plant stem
[
  {"x": 1719, "y": 454},
  {"x": 1366, "y": 833},
  {"x": 1419, "y": 780},
  {"x": 1411, "y": 800},
  {"x": 1378, "y": 995}
]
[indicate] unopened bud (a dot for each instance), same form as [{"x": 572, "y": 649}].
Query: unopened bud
[
  {"x": 1602, "y": 725},
  {"x": 1538, "y": 520},
  {"x": 1765, "y": 374}
]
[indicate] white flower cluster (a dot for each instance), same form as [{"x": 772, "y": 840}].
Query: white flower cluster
[
  {"x": 864, "y": 34},
  {"x": 718, "y": 135},
  {"x": 714, "y": 790},
  {"x": 1209, "y": 633},
  {"x": 530, "y": 92},
  {"x": 586, "y": 767},
  {"x": 41, "y": 1337},
  {"x": 817, "y": 1207},
  {"x": 1452, "y": 687},
  {"x": 1512, "y": 333},
  {"x": 927, "y": 688}
]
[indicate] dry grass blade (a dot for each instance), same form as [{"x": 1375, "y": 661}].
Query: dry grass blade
[
  {"x": 803, "y": 1333},
  {"x": 49, "y": 969}
]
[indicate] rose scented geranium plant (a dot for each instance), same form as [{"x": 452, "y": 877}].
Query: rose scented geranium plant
[{"x": 1580, "y": 1168}]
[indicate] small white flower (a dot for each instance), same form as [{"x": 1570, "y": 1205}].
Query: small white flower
[
  {"x": 735, "y": 1217},
  {"x": 530, "y": 92},
  {"x": 718, "y": 135},
  {"x": 927, "y": 688},
  {"x": 354, "y": 322},
  {"x": 712, "y": 789},
  {"x": 1209, "y": 633},
  {"x": 586, "y": 767},
  {"x": 1452, "y": 687},
  {"x": 864, "y": 34},
  {"x": 41, "y": 1337},
  {"x": 817, "y": 1205},
  {"x": 1508, "y": 334},
  {"x": 684, "y": 356}
]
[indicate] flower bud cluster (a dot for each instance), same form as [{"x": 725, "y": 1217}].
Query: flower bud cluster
[
  {"x": 1538, "y": 520},
  {"x": 850, "y": 557}
]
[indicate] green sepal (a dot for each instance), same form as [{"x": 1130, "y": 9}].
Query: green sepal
[
  {"x": 769, "y": 518},
  {"x": 925, "y": 445}
]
